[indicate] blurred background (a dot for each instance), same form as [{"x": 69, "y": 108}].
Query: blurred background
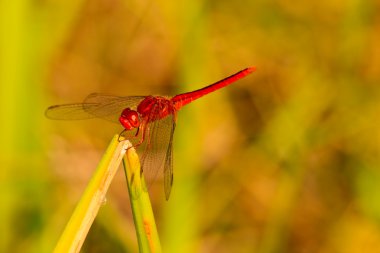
[{"x": 285, "y": 160}]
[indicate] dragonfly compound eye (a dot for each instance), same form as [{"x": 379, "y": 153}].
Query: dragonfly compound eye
[{"x": 129, "y": 119}]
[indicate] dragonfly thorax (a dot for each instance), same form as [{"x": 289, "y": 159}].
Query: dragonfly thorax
[
  {"x": 160, "y": 106},
  {"x": 129, "y": 119}
]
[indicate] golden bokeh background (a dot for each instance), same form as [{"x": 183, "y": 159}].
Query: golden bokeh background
[{"x": 285, "y": 160}]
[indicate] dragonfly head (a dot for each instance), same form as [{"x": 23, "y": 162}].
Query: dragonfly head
[{"x": 129, "y": 119}]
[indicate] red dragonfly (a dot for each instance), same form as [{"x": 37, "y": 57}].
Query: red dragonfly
[{"x": 148, "y": 121}]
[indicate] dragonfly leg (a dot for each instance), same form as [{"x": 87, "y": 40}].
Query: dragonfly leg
[
  {"x": 121, "y": 137},
  {"x": 142, "y": 135},
  {"x": 141, "y": 130},
  {"x": 135, "y": 138}
]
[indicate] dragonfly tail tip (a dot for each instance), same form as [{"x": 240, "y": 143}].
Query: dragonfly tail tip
[{"x": 251, "y": 69}]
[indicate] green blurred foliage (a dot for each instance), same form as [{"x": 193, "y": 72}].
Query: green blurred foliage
[{"x": 286, "y": 160}]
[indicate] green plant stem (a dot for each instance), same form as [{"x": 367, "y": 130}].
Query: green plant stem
[
  {"x": 85, "y": 212},
  {"x": 143, "y": 217}
]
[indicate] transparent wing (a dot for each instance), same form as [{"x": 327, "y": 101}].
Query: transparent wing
[
  {"x": 67, "y": 112},
  {"x": 157, "y": 150},
  {"x": 168, "y": 166},
  {"x": 95, "y": 105}
]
